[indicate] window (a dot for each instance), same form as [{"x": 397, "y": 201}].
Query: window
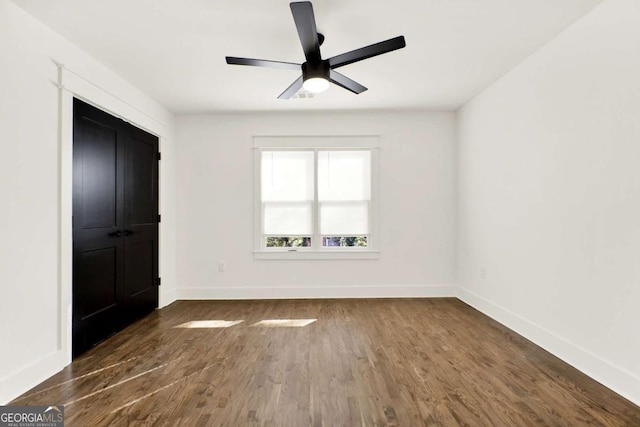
[{"x": 315, "y": 197}]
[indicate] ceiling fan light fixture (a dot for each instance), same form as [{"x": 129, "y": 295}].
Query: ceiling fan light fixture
[
  {"x": 315, "y": 75},
  {"x": 316, "y": 84}
]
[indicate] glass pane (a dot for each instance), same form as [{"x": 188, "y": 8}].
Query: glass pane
[
  {"x": 288, "y": 242},
  {"x": 344, "y": 175},
  {"x": 344, "y": 218},
  {"x": 287, "y": 176},
  {"x": 286, "y": 218},
  {"x": 355, "y": 241}
]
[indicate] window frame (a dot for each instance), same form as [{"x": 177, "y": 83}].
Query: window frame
[{"x": 316, "y": 143}]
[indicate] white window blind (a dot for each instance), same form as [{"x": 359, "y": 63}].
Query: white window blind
[
  {"x": 287, "y": 192},
  {"x": 344, "y": 192}
]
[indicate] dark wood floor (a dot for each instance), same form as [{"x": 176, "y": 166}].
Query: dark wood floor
[{"x": 362, "y": 362}]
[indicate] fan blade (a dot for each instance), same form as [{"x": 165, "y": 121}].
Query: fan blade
[
  {"x": 367, "y": 52},
  {"x": 291, "y": 90},
  {"x": 306, "y": 24},
  {"x": 262, "y": 63},
  {"x": 345, "y": 82}
]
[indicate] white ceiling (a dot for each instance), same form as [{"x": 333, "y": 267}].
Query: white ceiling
[{"x": 174, "y": 50}]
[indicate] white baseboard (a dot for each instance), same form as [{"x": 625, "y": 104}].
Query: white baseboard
[
  {"x": 166, "y": 297},
  {"x": 30, "y": 376},
  {"x": 620, "y": 381},
  {"x": 313, "y": 292}
]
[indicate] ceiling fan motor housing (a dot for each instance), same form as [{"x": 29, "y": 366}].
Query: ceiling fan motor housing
[{"x": 315, "y": 69}]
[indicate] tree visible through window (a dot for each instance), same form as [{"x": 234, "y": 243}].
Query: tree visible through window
[
  {"x": 359, "y": 241},
  {"x": 288, "y": 242}
]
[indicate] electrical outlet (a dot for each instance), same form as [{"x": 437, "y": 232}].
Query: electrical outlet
[
  {"x": 222, "y": 267},
  {"x": 483, "y": 273}
]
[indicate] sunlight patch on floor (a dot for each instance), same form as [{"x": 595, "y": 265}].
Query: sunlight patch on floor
[
  {"x": 102, "y": 390},
  {"x": 158, "y": 390},
  {"x": 205, "y": 324},
  {"x": 284, "y": 323},
  {"x": 97, "y": 371}
]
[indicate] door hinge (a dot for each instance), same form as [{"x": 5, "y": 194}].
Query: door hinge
[
  {"x": 158, "y": 218},
  {"x": 159, "y": 155},
  {"x": 158, "y": 281}
]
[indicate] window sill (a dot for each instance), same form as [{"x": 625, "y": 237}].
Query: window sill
[{"x": 308, "y": 255}]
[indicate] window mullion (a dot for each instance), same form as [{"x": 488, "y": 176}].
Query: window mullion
[{"x": 315, "y": 240}]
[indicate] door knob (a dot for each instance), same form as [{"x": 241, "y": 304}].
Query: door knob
[{"x": 115, "y": 234}]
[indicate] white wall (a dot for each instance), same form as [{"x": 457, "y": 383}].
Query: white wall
[
  {"x": 215, "y": 208},
  {"x": 549, "y": 197},
  {"x": 35, "y": 186}
]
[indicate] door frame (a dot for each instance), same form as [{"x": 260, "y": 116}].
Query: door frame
[{"x": 72, "y": 85}]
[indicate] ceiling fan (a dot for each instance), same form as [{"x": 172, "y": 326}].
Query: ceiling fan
[{"x": 318, "y": 72}]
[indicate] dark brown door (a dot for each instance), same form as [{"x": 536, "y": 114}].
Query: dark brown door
[
  {"x": 115, "y": 225},
  {"x": 141, "y": 223}
]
